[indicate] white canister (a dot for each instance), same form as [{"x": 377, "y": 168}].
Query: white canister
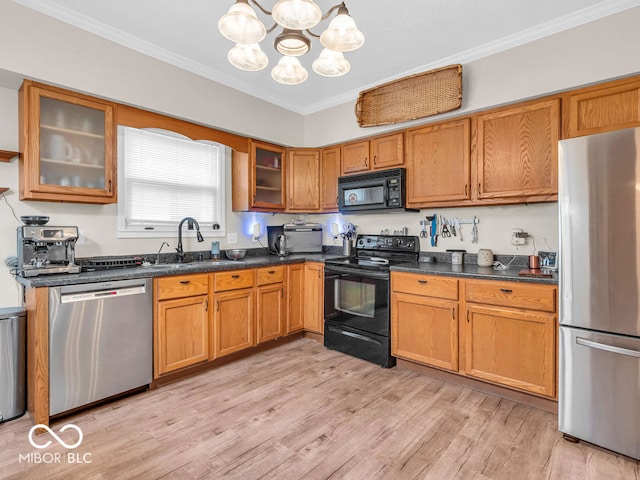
[
  {"x": 485, "y": 257},
  {"x": 456, "y": 258}
]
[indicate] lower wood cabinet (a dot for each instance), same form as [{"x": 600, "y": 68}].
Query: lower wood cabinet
[
  {"x": 233, "y": 321},
  {"x": 181, "y": 326},
  {"x": 295, "y": 300},
  {"x": 425, "y": 330},
  {"x": 182, "y": 335},
  {"x": 424, "y": 319},
  {"x": 513, "y": 348},
  {"x": 506, "y": 336},
  {"x": 270, "y": 303},
  {"x": 233, "y": 316},
  {"x": 314, "y": 297}
]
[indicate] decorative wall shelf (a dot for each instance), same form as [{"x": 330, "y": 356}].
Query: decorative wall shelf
[{"x": 7, "y": 156}]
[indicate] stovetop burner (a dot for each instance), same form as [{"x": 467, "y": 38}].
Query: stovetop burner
[{"x": 380, "y": 252}]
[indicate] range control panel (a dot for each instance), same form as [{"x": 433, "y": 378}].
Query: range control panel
[{"x": 389, "y": 243}]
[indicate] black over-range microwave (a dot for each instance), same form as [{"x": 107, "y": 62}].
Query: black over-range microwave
[{"x": 373, "y": 192}]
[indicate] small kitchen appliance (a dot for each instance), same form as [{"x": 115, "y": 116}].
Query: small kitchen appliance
[
  {"x": 303, "y": 237},
  {"x": 43, "y": 249}
]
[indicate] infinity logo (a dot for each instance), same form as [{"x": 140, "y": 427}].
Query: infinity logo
[{"x": 58, "y": 439}]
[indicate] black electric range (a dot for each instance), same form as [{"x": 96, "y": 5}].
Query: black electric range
[{"x": 357, "y": 314}]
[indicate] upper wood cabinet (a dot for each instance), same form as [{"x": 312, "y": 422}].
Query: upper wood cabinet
[
  {"x": 259, "y": 178},
  {"x": 303, "y": 180},
  {"x": 67, "y": 146},
  {"x": 379, "y": 153},
  {"x": 516, "y": 155},
  {"x": 387, "y": 151},
  {"x": 602, "y": 108},
  {"x": 330, "y": 165},
  {"x": 355, "y": 157},
  {"x": 438, "y": 164}
]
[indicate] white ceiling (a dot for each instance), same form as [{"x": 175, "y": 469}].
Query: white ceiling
[{"x": 402, "y": 37}]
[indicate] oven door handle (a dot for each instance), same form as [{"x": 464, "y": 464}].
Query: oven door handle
[
  {"x": 354, "y": 335},
  {"x": 356, "y": 271}
]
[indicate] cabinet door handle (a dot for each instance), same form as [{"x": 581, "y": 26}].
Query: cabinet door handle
[
  {"x": 422, "y": 281},
  {"x": 375, "y": 158},
  {"x": 467, "y": 316},
  {"x": 109, "y": 186},
  {"x": 206, "y": 305},
  {"x": 366, "y": 161},
  {"x": 479, "y": 190},
  {"x": 465, "y": 189},
  {"x": 185, "y": 282},
  {"x": 218, "y": 305},
  {"x": 506, "y": 290},
  {"x": 271, "y": 272},
  {"x": 318, "y": 273},
  {"x": 453, "y": 313},
  {"x": 235, "y": 276},
  {"x": 282, "y": 293}
]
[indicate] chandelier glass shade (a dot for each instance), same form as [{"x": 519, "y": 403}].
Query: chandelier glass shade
[{"x": 242, "y": 26}]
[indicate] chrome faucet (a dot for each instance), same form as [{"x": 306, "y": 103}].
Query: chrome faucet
[
  {"x": 159, "y": 250},
  {"x": 190, "y": 223}
]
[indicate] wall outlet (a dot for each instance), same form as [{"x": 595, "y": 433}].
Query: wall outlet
[
  {"x": 518, "y": 236},
  {"x": 232, "y": 238}
]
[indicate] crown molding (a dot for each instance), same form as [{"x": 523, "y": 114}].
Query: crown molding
[{"x": 88, "y": 24}]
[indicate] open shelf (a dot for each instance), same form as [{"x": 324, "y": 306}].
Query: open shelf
[
  {"x": 69, "y": 163},
  {"x": 7, "y": 156}
]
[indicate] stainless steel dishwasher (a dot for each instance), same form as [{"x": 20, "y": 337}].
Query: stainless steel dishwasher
[{"x": 100, "y": 341}]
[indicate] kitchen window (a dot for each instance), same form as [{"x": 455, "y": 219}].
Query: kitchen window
[{"x": 163, "y": 177}]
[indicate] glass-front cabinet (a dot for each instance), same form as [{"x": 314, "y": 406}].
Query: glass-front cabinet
[
  {"x": 268, "y": 164},
  {"x": 67, "y": 146}
]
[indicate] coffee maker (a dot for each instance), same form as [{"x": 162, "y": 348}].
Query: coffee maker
[{"x": 45, "y": 250}]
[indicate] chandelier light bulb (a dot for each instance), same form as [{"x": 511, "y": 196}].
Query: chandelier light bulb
[
  {"x": 342, "y": 35},
  {"x": 249, "y": 57},
  {"x": 289, "y": 71},
  {"x": 241, "y": 24},
  {"x": 296, "y": 14},
  {"x": 331, "y": 64}
]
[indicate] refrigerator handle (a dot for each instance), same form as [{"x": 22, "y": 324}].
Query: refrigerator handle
[{"x": 608, "y": 348}]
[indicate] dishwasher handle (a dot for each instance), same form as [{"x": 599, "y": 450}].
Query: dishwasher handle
[{"x": 101, "y": 294}]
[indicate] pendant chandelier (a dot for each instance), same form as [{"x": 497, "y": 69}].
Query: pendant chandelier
[{"x": 242, "y": 26}]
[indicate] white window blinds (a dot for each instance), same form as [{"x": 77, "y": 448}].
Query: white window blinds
[{"x": 166, "y": 177}]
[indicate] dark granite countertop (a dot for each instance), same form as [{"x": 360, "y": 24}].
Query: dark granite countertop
[
  {"x": 474, "y": 271},
  {"x": 441, "y": 266},
  {"x": 250, "y": 261}
]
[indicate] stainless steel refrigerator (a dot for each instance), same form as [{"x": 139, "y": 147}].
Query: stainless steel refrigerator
[{"x": 599, "y": 374}]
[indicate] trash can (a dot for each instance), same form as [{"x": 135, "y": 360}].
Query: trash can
[{"x": 13, "y": 372}]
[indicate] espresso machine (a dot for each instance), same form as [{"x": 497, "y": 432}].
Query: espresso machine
[{"x": 45, "y": 250}]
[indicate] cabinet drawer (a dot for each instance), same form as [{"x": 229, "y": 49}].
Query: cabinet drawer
[
  {"x": 427, "y": 285},
  {"x": 233, "y": 280},
  {"x": 512, "y": 294},
  {"x": 269, "y": 275},
  {"x": 182, "y": 286}
]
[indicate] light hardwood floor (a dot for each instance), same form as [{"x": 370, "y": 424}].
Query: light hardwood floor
[{"x": 301, "y": 411}]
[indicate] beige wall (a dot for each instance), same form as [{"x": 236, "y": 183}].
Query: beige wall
[{"x": 38, "y": 47}]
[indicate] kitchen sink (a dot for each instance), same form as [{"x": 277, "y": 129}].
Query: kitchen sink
[{"x": 181, "y": 265}]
